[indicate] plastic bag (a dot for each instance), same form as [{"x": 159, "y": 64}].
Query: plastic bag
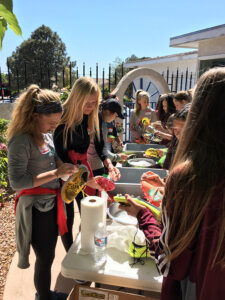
[{"x": 120, "y": 237}]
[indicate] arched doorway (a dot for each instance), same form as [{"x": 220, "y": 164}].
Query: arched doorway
[{"x": 154, "y": 78}]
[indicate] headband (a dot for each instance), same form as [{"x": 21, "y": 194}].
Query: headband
[{"x": 48, "y": 108}]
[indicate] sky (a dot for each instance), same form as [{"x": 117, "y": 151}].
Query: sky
[{"x": 100, "y": 31}]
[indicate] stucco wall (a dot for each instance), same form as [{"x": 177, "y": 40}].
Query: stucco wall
[
  {"x": 212, "y": 47},
  {"x": 181, "y": 65},
  {"x": 6, "y": 110}
]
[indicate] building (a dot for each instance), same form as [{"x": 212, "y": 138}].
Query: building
[{"x": 182, "y": 70}]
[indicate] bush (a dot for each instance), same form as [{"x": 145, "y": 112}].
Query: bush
[
  {"x": 63, "y": 94},
  {"x": 3, "y": 154}
]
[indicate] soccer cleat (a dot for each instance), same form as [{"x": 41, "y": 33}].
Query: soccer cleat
[
  {"x": 75, "y": 184},
  {"x": 154, "y": 210}
]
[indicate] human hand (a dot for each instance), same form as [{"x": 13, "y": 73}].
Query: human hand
[
  {"x": 160, "y": 152},
  {"x": 93, "y": 184},
  {"x": 114, "y": 173},
  {"x": 132, "y": 208},
  {"x": 123, "y": 156},
  {"x": 157, "y": 125},
  {"x": 66, "y": 170}
]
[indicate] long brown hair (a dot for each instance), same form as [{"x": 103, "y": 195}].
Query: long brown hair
[
  {"x": 22, "y": 116},
  {"x": 199, "y": 166},
  {"x": 73, "y": 115}
]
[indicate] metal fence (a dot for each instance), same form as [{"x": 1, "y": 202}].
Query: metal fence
[
  {"x": 45, "y": 77},
  {"x": 107, "y": 78}
]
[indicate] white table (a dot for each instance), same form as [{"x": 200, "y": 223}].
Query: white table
[{"x": 116, "y": 271}]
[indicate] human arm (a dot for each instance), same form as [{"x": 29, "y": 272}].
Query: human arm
[
  {"x": 22, "y": 165},
  {"x": 147, "y": 222},
  {"x": 166, "y": 136},
  {"x": 134, "y": 132},
  {"x": 114, "y": 172},
  {"x": 100, "y": 142},
  {"x": 65, "y": 169},
  {"x": 61, "y": 151},
  {"x": 112, "y": 156}
]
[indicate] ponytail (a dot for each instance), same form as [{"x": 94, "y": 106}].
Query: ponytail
[{"x": 22, "y": 116}]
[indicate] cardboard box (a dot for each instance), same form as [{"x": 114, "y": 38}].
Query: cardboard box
[{"x": 81, "y": 292}]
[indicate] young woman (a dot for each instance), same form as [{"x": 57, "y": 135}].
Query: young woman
[
  {"x": 113, "y": 136},
  {"x": 142, "y": 110},
  {"x": 79, "y": 124},
  {"x": 181, "y": 98},
  {"x": 110, "y": 109},
  {"x": 166, "y": 109},
  {"x": 34, "y": 170},
  {"x": 179, "y": 119},
  {"x": 189, "y": 245}
]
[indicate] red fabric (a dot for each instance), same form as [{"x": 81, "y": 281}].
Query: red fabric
[
  {"x": 105, "y": 183},
  {"x": 61, "y": 217},
  {"x": 82, "y": 157}
]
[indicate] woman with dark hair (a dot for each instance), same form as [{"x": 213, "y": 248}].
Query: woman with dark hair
[
  {"x": 110, "y": 109},
  {"x": 181, "y": 98},
  {"x": 189, "y": 243},
  {"x": 113, "y": 135},
  {"x": 166, "y": 108}
]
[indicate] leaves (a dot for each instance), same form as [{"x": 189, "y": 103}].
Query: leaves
[
  {"x": 7, "y": 4},
  {"x": 3, "y": 27},
  {"x": 44, "y": 57},
  {"x": 7, "y": 17}
]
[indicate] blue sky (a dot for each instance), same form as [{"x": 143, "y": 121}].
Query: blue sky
[{"x": 100, "y": 31}]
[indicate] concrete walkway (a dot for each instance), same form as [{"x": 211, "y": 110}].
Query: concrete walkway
[{"x": 20, "y": 284}]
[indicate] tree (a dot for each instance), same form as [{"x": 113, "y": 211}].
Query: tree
[
  {"x": 39, "y": 59},
  {"x": 7, "y": 18}
]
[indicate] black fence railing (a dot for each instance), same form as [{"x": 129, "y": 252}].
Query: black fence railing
[
  {"x": 178, "y": 81},
  {"x": 107, "y": 78},
  {"x": 20, "y": 78}
]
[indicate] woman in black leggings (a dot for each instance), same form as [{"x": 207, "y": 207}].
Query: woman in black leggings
[{"x": 34, "y": 171}]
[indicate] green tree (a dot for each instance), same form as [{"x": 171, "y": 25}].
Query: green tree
[
  {"x": 7, "y": 18},
  {"x": 39, "y": 59},
  {"x": 118, "y": 70}
]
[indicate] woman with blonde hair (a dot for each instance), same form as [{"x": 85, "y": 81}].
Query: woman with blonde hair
[
  {"x": 189, "y": 244},
  {"x": 79, "y": 124},
  {"x": 142, "y": 110},
  {"x": 34, "y": 170}
]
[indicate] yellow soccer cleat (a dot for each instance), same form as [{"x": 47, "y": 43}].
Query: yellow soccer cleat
[{"x": 75, "y": 184}]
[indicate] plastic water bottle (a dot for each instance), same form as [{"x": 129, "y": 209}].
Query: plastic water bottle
[{"x": 100, "y": 240}]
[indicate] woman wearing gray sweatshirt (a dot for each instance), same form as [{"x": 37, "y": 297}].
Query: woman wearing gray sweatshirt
[{"x": 34, "y": 169}]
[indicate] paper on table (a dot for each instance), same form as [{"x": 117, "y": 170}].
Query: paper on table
[{"x": 92, "y": 213}]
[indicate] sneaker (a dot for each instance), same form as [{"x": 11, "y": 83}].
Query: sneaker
[
  {"x": 58, "y": 296},
  {"x": 55, "y": 296},
  {"x": 78, "y": 281}
]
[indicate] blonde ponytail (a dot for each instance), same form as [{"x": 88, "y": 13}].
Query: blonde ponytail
[{"x": 22, "y": 116}]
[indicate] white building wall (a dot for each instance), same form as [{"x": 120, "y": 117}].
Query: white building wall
[{"x": 178, "y": 84}]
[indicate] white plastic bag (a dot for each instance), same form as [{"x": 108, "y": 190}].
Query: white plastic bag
[{"x": 121, "y": 236}]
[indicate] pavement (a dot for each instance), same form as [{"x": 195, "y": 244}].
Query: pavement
[{"x": 19, "y": 282}]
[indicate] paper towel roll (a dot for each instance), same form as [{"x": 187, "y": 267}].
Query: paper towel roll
[{"x": 92, "y": 213}]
